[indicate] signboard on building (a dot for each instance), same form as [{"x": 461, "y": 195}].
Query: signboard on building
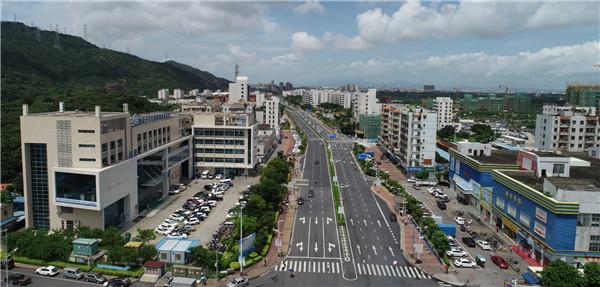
[
  {"x": 539, "y": 229},
  {"x": 541, "y": 215}
]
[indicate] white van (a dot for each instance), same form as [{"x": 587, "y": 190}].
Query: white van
[{"x": 205, "y": 174}]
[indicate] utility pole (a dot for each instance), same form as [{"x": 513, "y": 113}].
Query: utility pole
[{"x": 241, "y": 259}]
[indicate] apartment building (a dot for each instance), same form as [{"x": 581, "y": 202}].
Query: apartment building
[
  {"x": 366, "y": 104},
  {"x": 445, "y": 113},
  {"x": 267, "y": 111},
  {"x": 573, "y": 129},
  {"x": 99, "y": 169},
  {"x": 408, "y": 134},
  {"x": 238, "y": 91},
  {"x": 163, "y": 94},
  {"x": 178, "y": 94},
  {"x": 225, "y": 141}
]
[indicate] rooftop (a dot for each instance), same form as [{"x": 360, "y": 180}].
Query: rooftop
[
  {"x": 568, "y": 183},
  {"x": 176, "y": 245},
  {"x": 78, "y": 114},
  {"x": 498, "y": 157},
  {"x": 85, "y": 241}
]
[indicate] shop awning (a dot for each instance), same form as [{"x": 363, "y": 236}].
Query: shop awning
[{"x": 464, "y": 185}]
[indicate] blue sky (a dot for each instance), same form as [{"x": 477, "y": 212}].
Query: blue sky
[{"x": 525, "y": 44}]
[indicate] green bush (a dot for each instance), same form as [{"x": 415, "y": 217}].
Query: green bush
[
  {"x": 27, "y": 260},
  {"x": 234, "y": 265},
  {"x": 134, "y": 273},
  {"x": 258, "y": 258},
  {"x": 248, "y": 262},
  {"x": 253, "y": 255},
  {"x": 61, "y": 264}
]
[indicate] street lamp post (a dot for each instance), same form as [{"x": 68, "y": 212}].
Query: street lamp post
[{"x": 240, "y": 259}]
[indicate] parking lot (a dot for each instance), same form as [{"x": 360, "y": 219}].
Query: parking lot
[{"x": 206, "y": 228}]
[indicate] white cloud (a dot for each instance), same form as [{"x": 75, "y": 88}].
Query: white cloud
[
  {"x": 341, "y": 41},
  {"x": 304, "y": 42},
  {"x": 415, "y": 20},
  {"x": 547, "y": 64},
  {"x": 239, "y": 54},
  {"x": 309, "y": 6},
  {"x": 286, "y": 59}
]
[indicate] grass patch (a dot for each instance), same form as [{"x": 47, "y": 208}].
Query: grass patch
[{"x": 335, "y": 189}]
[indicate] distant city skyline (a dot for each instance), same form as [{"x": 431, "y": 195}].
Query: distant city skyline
[{"x": 522, "y": 45}]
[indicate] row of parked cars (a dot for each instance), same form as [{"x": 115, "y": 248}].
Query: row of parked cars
[
  {"x": 77, "y": 274},
  {"x": 193, "y": 211}
]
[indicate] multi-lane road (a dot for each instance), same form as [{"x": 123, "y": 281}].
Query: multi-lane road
[{"x": 365, "y": 251}]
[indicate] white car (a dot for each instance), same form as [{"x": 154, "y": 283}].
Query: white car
[
  {"x": 441, "y": 195},
  {"x": 455, "y": 252},
  {"x": 411, "y": 180},
  {"x": 463, "y": 262},
  {"x": 459, "y": 220},
  {"x": 205, "y": 209},
  {"x": 47, "y": 271},
  {"x": 238, "y": 282},
  {"x": 484, "y": 245},
  {"x": 163, "y": 230},
  {"x": 432, "y": 189},
  {"x": 174, "y": 191},
  {"x": 192, "y": 221},
  {"x": 178, "y": 236},
  {"x": 212, "y": 203},
  {"x": 219, "y": 176},
  {"x": 169, "y": 222},
  {"x": 177, "y": 217},
  {"x": 230, "y": 215}
]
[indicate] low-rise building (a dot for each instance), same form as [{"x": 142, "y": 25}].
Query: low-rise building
[{"x": 175, "y": 251}]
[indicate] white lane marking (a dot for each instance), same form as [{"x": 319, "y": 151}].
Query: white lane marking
[
  {"x": 369, "y": 269},
  {"x": 412, "y": 272},
  {"x": 337, "y": 266},
  {"x": 407, "y": 272},
  {"x": 398, "y": 270},
  {"x": 378, "y": 271},
  {"x": 418, "y": 275},
  {"x": 387, "y": 268},
  {"x": 304, "y": 266},
  {"x": 393, "y": 271}
]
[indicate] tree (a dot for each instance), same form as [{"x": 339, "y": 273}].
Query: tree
[
  {"x": 256, "y": 205},
  {"x": 87, "y": 232},
  {"x": 446, "y": 132},
  {"x": 112, "y": 237},
  {"x": 440, "y": 242},
  {"x": 146, "y": 253},
  {"x": 203, "y": 257},
  {"x": 591, "y": 273},
  {"x": 7, "y": 197},
  {"x": 561, "y": 274},
  {"x": 145, "y": 235}
]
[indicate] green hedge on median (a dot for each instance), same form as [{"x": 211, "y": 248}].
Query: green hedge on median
[{"x": 135, "y": 273}]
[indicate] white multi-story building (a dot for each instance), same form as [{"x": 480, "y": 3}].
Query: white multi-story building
[
  {"x": 573, "y": 129},
  {"x": 444, "y": 108},
  {"x": 163, "y": 94},
  {"x": 194, "y": 92},
  {"x": 238, "y": 91},
  {"x": 99, "y": 169},
  {"x": 366, "y": 104},
  {"x": 178, "y": 94},
  {"x": 269, "y": 105},
  {"x": 409, "y": 134}
]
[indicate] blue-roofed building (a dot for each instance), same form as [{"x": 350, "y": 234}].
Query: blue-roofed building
[
  {"x": 175, "y": 250},
  {"x": 470, "y": 174}
]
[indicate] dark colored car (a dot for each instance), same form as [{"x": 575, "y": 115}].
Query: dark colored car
[
  {"x": 441, "y": 205},
  {"x": 119, "y": 282},
  {"x": 499, "y": 261},
  {"x": 316, "y": 162},
  {"x": 94, "y": 278},
  {"x": 469, "y": 241},
  {"x": 10, "y": 263},
  {"x": 311, "y": 193},
  {"x": 300, "y": 200},
  {"x": 22, "y": 281},
  {"x": 208, "y": 187},
  {"x": 393, "y": 217}
]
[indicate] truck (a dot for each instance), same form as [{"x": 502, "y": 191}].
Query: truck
[{"x": 448, "y": 228}]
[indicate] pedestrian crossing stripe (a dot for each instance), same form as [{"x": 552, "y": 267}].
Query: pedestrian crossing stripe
[{"x": 366, "y": 269}]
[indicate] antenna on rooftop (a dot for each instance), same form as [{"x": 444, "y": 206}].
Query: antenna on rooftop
[{"x": 237, "y": 70}]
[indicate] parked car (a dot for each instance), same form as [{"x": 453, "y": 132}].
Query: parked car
[
  {"x": 169, "y": 222},
  {"x": 8, "y": 263},
  {"x": 441, "y": 205},
  {"x": 499, "y": 261},
  {"x": 238, "y": 282},
  {"x": 469, "y": 241},
  {"x": 177, "y": 235},
  {"x": 484, "y": 245},
  {"x": 192, "y": 221},
  {"x": 300, "y": 200},
  {"x": 431, "y": 190},
  {"x": 412, "y": 179},
  {"x": 174, "y": 191},
  {"x": 459, "y": 220},
  {"x": 212, "y": 203},
  {"x": 119, "y": 282},
  {"x": 163, "y": 230},
  {"x": 47, "y": 271},
  {"x": 205, "y": 209},
  {"x": 72, "y": 273},
  {"x": 190, "y": 228},
  {"x": 463, "y": 262},
  {"x": 218, "y": 176},
  {"x": 177, "y": 217},
  {"x": 94, "y": 278},
  {"x": 455, "y": 252},
  {"x": 441, "y": 196},
  {"x": 208, "y": 187},
  {"x": 22, "y": 280}
]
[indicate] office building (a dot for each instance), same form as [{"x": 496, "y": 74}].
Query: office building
[
  {"x": 225, "y": 141},
  {"x": 445, "y": 113},
  {"x": 99, "y": 169},
  {"x": 238, "y": 91},
  {"x": 408, "y": 134},
  {"x": 583, "y": 95},
  {"x": 574, "y": 129}
]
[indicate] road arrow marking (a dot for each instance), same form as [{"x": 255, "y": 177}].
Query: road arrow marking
[
  {"x": 316, "y": 247},
  {"x": 352, "y": 221},
  {"x": 375, "y": 250},
  {"x": 299, "y": 245},
  {"x": 329, "y": 220},
  {"x": 303, "y": 219},
  {"x": 391, "y": 251},
  {"x": 365, "y": 222},
  {"x": 316, "y": 220},
  {"x": 379, "y": 222},
  {"x": 358, "y": 247},
  {"x": 330, "y": 247}
]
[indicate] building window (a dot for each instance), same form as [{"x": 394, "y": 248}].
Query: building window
[
  {"x": 163, "y": 256},
  {"x": 595, "y": 219},
  {"x": 558, "y": 168},
  {"x": 87, "y": 145},
  {"x": 86, "y": 131},
  {"x": 104, "y": 161},
  {"x": 120, "y": 143},
  {"x": 112, "y": 145},
  {"x": 177, "y": 256},
  {"x": 104, "y": 147},
  {"x": 120, "y": 156},
  {"x": 86, "y": 159}
]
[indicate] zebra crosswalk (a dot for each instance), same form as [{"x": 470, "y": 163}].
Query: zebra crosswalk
[
  {"x": 362, "y": 269},
  {"x": 368, "y": 269},
  {"x": 310, "y": 266}
]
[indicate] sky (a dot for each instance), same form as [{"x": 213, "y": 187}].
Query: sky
[{"x": 455, "y": 44}]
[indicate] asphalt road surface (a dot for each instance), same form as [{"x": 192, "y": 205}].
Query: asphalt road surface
[{"x": 44, "y": 281}]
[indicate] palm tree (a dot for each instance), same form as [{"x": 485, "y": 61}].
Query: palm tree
[{"x": 145, "y": 235}]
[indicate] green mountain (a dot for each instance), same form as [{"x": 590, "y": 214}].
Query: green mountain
[{"x": 41, "y": 68}]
